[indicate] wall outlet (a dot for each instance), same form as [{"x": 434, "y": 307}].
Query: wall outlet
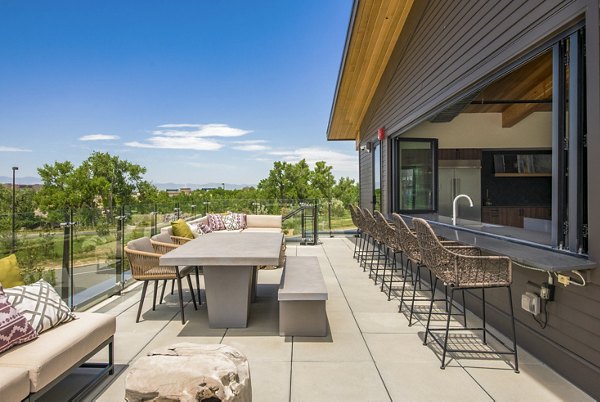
[
  {"x": 547, "y": 291},
  {"x": 564, "y": 279},
  {"x": 530, "y": 302}
]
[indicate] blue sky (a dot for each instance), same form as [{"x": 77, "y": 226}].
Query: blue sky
[{"x": 197, "y": 91}]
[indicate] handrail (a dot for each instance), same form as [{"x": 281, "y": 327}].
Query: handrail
[{"x": 293, "y": 213}]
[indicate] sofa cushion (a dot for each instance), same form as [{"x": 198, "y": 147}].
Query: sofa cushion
[
  {"x": 10, "y": 274},
  {"x": 14, "y": 327},
  {"x": 263, "y": 221},
  {"x": 182, "y": 229},
  {"x": 59, "y": 349},
  {"x": 40, "y": 304},
  {"x": 215, "y": 222},
  {"x": 14, "y": 383},
  {"x": 162, "y": 237}
]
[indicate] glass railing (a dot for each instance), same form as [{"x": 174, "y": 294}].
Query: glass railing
[{"x": 81, "y": 251}]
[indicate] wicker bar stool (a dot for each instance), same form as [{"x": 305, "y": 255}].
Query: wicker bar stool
[
  {"x": 357, "y": 223},
  {"x": 365, "y": 253},
  {"x": 377, "y": 237},
  {"x": 410, "y": 247},
  {"x": 144, "y": 264},
  {"x": 163, "y": 248},
  {"x": 459, "y": 269},
  {"x": 391, "y": 243}
]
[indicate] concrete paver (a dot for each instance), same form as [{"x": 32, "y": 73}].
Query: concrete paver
[{"x": 370, "y": 352}]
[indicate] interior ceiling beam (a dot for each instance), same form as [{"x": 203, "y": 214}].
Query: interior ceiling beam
[{"x": 518, "y": 111}]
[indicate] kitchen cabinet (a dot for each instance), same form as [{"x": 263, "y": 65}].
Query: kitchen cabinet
[{"x": 513, "y": 215}]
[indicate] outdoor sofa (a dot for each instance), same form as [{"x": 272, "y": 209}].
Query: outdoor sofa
[
  {"x": 254, "y": 223},
  {"x": 28, "y": 370}
]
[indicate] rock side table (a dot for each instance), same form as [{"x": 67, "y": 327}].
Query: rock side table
[{"x": 190, "y": 372}]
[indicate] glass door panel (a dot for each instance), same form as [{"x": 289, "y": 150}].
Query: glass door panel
[{"x": 417, "y": 181}]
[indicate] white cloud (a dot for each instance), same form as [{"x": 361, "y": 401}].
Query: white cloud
[
  {"x": 200, "y": 130},
  {"x": 198, "y": 144},
  {"x": 98, "y": 137},
  {"x": 250, "y": 145},
  {"x": 13, "y": 149},
  {"x": 188, "y": 136},
  {"x": 342, "y": 163}
]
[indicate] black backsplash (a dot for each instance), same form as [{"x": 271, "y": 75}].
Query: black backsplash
[{"x": 513, "y": 191}]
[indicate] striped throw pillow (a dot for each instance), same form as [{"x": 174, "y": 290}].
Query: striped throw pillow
[
  {"x": 14, "y": 327},
  {"x": 40, "y": 304}
]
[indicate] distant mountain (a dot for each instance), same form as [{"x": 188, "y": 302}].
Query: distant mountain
[
  {"x": 228, "y": 186},
  {"x": 20, "y": 180},
  {"x": 161, "y": 186}
]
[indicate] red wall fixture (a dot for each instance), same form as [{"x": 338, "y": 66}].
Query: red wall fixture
[{"x": 380, "y": 133}]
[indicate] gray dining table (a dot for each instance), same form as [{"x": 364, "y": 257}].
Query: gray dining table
[{"x": 229, "y": 261}]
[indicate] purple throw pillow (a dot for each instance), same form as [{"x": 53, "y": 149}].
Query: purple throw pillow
[
  {"x": 240, "y": 219},
  {"x": 205, "y": 228},
  {"x": 14, "y": 327},
  {"x": 215, "y": 222}
]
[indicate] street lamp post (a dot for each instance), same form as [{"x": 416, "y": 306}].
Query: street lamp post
[{"x": 14, "y": 242}]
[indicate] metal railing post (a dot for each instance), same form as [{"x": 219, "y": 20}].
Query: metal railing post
[
  {"x": 120, "y": 249},
  {"x": 67, "y": 264},
  {"x": 316, "y": 223},
  {"x": 329, "y": 216}
]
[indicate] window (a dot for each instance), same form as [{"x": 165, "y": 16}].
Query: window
[
  {"x": 414, "y": 175},
  {"x": 377, "y": 177}
]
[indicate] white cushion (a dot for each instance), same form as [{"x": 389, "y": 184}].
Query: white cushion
[
  {"x": 14, "y": 383},
  {"x": 263, "y": 221},
  {"x": 59, "y": 349}
]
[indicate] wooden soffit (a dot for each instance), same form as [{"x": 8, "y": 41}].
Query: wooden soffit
[{"x": 372, "y": 36}]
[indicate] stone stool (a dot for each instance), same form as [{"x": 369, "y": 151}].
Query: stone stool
[{"x": 190, "y": 372}]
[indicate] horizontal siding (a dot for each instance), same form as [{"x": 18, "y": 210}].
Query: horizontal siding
[{"x": 454, "y": 46}]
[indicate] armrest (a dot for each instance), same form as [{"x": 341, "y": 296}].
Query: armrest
[{"x": 180, "y": 240}]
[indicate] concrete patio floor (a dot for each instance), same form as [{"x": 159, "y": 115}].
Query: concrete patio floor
[{"x": 370, "y": 354}]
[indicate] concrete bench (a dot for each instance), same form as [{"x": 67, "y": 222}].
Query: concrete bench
[{"x": 302, "y": 296}]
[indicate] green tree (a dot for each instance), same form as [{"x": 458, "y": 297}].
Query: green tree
[
  {"x": 346, "y": 190},
  {"x": 101, "y": 181},
  {"x": 322, "y": 181},
  {"x": 275, "y": 185}
]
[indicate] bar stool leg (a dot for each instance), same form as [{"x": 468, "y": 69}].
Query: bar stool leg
[
  {"x": 483, "y": 315},
  {"x": 514, "y": 333},
  {"x": 447, "y": 329},
  {"x": 430, "y": 310}
]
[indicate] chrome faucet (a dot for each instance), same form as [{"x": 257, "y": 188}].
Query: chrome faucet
[{"x": 454, "y": 206}]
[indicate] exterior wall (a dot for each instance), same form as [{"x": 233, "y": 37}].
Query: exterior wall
[
  {"x": 452, "y": 49},
  {"x": 366, "y": 179}
]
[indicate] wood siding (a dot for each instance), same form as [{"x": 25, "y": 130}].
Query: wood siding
[{"x": 454, "y": 46}]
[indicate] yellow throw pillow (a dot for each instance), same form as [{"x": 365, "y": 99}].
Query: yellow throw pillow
[
  {"x": 181, "y": 229},
  {"x": 10, "y": 274}
]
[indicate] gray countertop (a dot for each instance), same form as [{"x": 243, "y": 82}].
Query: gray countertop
[
  {"x": 239, "y": 248},
  {"x": 508, "y": 241}
]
